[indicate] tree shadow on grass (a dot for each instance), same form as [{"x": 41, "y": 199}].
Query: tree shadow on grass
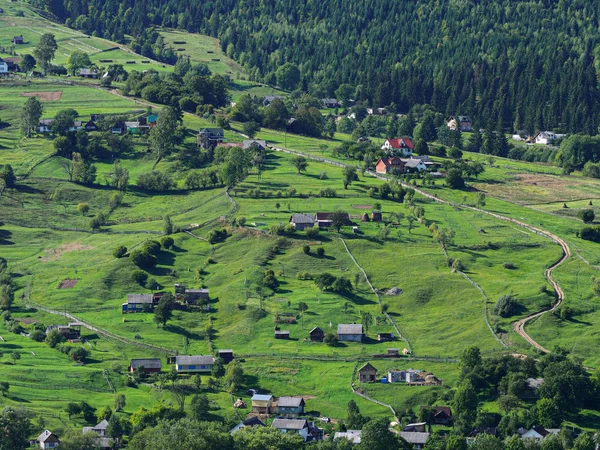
[
  {"x": 14, "y": 398},
  {"x": 183, "y": 332}
]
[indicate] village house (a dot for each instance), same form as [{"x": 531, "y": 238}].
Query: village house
[
  {"x": 254, "y": 143},
  {"x": 417, "y": 439},
  {"x": 537, "y": 433},
  {"x": 151, "y": 120},
  {"x": 420, "y": 427},
  {"x": 269, "y": 99},
  {"x": 302, "y": 221},
  {"x": 88, "y": 73},
  {"x": 133, "y": 128},
  {"x": 137, "y": 303},
  {"x": 18, "y": 40},
  {"x": 226, "y": 356},
  {"x": 331, "y": 103},
  {"x": 119, "y": 128},
  {"x": 194, "y": 364},
  {"x": 323, "y": 220},
  {"x": 47, "y": 440},
  {"x": 3, "y": 67},
  {"x": 317, "y": 334},
  {"x": 354, "y": 436},
  {"x": 367, "y": 374},
  {"x": 282, "y": 334},
  {"x": 376, "y": 111},
  {"x": 71, "y": 331},
  {"x": 45, "y": 126},
  {"x": 442, "y": 415},
  {"x": 545, "y": 138},
  {"x": 103, "y": 442},
  {"x": 350, "y": 332},
  {"x": 262, "y": 403},
  {"x": 290, "y": 405},
  {"x": 77, "y": 125},
  {"x": 193, "y": 296},
  {"x": 150, "y": 365},
  {"x": 398, "y": 147},
  {"x": 385, "y": 337},
  {"x": 12, "y": 64},
  {"x": 406, "y": 376},
  {"x": 463, "y": 123},
  {"x": 391, "y": 352},
  {"x": 308, "y": 431},
  {"x": 414, "y": 165},
  {"x": 392, "y": 165},
  {"x": 248, "y": 423},
  {"x": 90, "y": 126},
  {"x": 208, "y": 138},
  {"x": 520, "y": 135}
]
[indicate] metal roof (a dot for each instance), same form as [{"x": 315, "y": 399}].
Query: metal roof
[
  {"x": 193, "y": 360},
  {"x": 290, "y": 424},
  {"x": 290, "y": 402},
  {"x": 150, "y": 363},
  {"x": 139, "y": 298},
  {"x": 262, "y": 397},
  {"x": 414, "y": 437},
  {"x": 344, "y": 328}
]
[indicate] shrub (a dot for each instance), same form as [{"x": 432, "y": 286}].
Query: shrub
[
  {"x": 320, "y": 252},
  {"x": 458, "y": 266},
  {"x": 256, "y": 314},
  {"x": 142, "y": 258},
  {"x": 215, "y": 236},
  {"x": 37, "y": 335},
  {"x": 566, "y": 313},
  {"x": 120, "y": 251},
  {"x": 155, "y": 181},
  {"x": 54, "y": 338},
  {"x": 328, "y": 192},
  {"x": 587, "y": 215},
  {"x": 306, "y": 249},
  {"x": 323, "y": 176},
  {"x": 590, "y": 233},
  {"x": 152, "y": 247},
  {"x": 152, "y": 284},
  {"x": 139, "y": 276},
  {"x": 312, "y": 232},
  {"x": 167, "y": 242},
  {"x": 330, "y": 339},
  {"x": 509, "y": 266},
  {"x": 289, "y": 229},
  {"x": 79, "y": 354},
  {"x": 506, "y": 306}
]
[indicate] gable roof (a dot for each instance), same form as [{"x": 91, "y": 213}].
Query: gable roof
[
  {"x": 248, "y": 143},
  {"x": 262, "y": 397},
  {"x": 196, "y": 291},
  {"x": 302, "y": 218},
  {"x": 412, "y": 163},
  {"x": 193, "y": 360},
  {"x": 253, "y": 422},
  {"x": 290, "y": 402},
  {"x": 139, "y": 298},
  {"x": 327, "y": 216},
  {"x": 402, "y": 142},
  {"x": 367, "y": 367},
  {"x": 391, "y": 161},
  {"x": 150, "y": 363},
  {"x": 214, "y": 132},
  {"x": 353, "y": 436},
  {"x": 278, "y": 332},
  {"x": 290, "y": 424},
  {"x": 316, "y": 330},
  {"x": 45, "y": 436},
  {"x": 441, "y": 411},
  {"x": 413, "y": 437},
  {"x": 102, "y": 425},
  {"x": 353, "y": 328},
  {"x": 87, "y": 72}
]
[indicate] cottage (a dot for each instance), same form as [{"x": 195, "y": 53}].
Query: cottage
[
  {"x": 137, "y": 303},
  {"x": 442, "y": 415},
  {"x": 194, "y": 364},
  {"x": 331, "y": 103},
  {"x": 417, "y": 439},
  {"x": 354, "y": 436},
  {"x": 463, "y": 123},
  {"x": 119, "y": 128},
  {"x": 133, "y": 127},
  {"x": 208, "y": 138},
  {"x": 414, "y": 165},
  {"x": 90, "y": 126},
  {"x": 538, "y": 433},
  {"x": 367, "y": 374},
  {"x": 545, "y": 138},
  {"x": 419, "y": 427},
  {"x": 88, "y": 73},
  {"x": 269, "y": 99},
  {"x": 12, "y": 64},
  {"x": 248, "y": 423},
  {"x": 398, "y": 147},
  {"x": 350, "y": 332},
  {"x": 103, "y": 442},
  {"x": 282, "y": 334},
  {"x": 18, "y": 40},
  {"x": 317, "y": 334},
  {"x": 323, "y": 220},
  {"x": 47, "y": 440},
  {"x": 393, "y": 352},
  {"x": 392, "y": 165},
  {"x": 226, "y": 356},
  {"x": 290, "y": 405},
  {"x": 254, "y": 143},
  {"x": 262, "y": 403},
  {"x": 45, "y": 126},
  {"x": 302, "y": 221},
  {"x": 385, "y": 337},
  {"x": 301, "y": 426},
  {"x": 71, "y": 331},
  {"x": 77, "y": 125},
  {"x": 193, "y": 296},
  {"x": 150, "y": 365}
]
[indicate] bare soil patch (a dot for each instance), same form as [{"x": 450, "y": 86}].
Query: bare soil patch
[
  {"x": 27, "y": 320},
  {"x": 362, "y": 206},
  {"x": 55, "y": 253},
  {"x": 68, "y": 283},
  {"x": 50, "y": 96}
]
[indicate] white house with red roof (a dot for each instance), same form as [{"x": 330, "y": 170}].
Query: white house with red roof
[{"x": 399, "y": 146}]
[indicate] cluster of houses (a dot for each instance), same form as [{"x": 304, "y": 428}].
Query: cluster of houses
[
  {"x": 141, "y": 125},
  {"x": 183, "y": 363},
  {"x": 303, "y": 221},
  {"x": 540, "y": 138},
  {"x": 8, "y": 65},
  {"x": 410, "y": 377},
  {"x": 146, "y": 302},
  {"x": 399, "y": 158},
  {"x": 345, "y": 332}
]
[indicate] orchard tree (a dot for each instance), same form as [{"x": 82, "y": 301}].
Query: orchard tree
[
  {"x": 83, "y": 208},
  {"x": 45, "y": 50},
  {"x": 31, "y": 115},
  {"x": 349, "y": 175},
  {"x": 300, "y": 163},
  {"x": 164, "y": 310},
  {"x": 27, "y": 63}
]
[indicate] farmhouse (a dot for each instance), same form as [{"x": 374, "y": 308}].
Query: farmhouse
[
  {"x": 538, "y": 433},
  {"x": 399, "y": 147},
  {"x": 350, "y": 332},
  {"x": 137, "y": 303},
  {"x": 47, "y": 440},
  {"x": 463, "y": 123},
  {"x": 407, "y": 376},
  {"x": 18, "y": 40},
  {"x": 151, "y": 365},
  {"x": 367, "y": 374},
  {"x": 323, "y": 220},
  {"x": 193, "y": 296},
  {"x": 254, "y": 143},
  {"x": 88, "y": 73},
  {"x": 282, "y": 334},
  {"x": 248, "y": 423},
  {"x": 393, "y": 165},
  {"x": 226, "y": 356},
  {"x": 119, "y": 128},
  {"x": 77, "y": 125},
  {"x": 208, "y": 138},
  {"x": 414, "y": 165},
  {"x": 418, "y": 427},
  {"x": 262, "y": 403},
  {"x": 317, "y": 334},
  {"x": 70, "y": 331},
  {"x": 302, "y": 221},
  {"x": 133, "y": 127},
  {"x": 417, "y": 439},
  {"x": 90, "y": 126},
  {"x": 103, "y": 442},
  {"x": 290, "y": 405},
  {"x": 354, "y": 436},
  {"x": 331, "y": 103},
  {"x": 384, "y": 337},
  {"x": 45, "y": 126},
  {"x": 308, "y": 431},
  {"x": 194, "y": 364},
  {"x": 545, "y": 137},
  {"x": 442, "y": 415}
]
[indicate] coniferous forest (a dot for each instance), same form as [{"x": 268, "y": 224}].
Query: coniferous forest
[{"x": 510, "y": 64}]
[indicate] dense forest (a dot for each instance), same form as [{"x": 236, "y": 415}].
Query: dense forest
[{"x": 516, "y": 64}]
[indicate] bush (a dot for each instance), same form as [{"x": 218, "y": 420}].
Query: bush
[
  {"x": 155, "y": 181},
  {"x": 120, "y": 251},
  {"x": 139, "y": 276},
  {"x": 306, "y": 249},
  {"x": 54, "y": 338},
  {"x": 590, "y": 233},
  {"x": 312, "y": 232},
  {"x": 152, "y": 284},
  {"x": 37, "y": 335},
  {"x": 152, "y": 247},
  {"x": 215, "y": 236},
  {"x": 167, "y": 242},
  {"x": 142, "y": 258},
  {"x": 330, "y": 339},
  {"x": 79, "y": 354},
  {"x": 256, "y": 314},
  {"x": 328, "y": 192},
  {"x": 587, "y": 215},
  {"x": 509, "y": 266},
  {"x": 289, "y": 229},
  {"x": 506, "y": 306},
  {"x": 320, "y": 252}
]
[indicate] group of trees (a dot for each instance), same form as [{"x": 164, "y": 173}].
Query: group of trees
[{"x": 7, "y": 295}]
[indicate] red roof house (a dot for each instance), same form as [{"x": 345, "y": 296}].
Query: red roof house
[
  {"x": 392, "y": 164},
  {"x": 403, "y": 146}
]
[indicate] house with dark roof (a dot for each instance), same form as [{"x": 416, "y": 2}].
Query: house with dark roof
[
  {"x": 254, "y": 143},
  {"x": 194, "y": 364},
  {"x": 331, "y": 103},
  {"x": 354, "y": 436},
  {"x": 18, "y": 40},
  {"x": 308, "y": 431},
  {"x": 393, "y": 165},
  {"x": 47, "y": 440},
  {"x": 208, "y": 138},
  {"x": 302, "y": 221},
  {"x": 385, "y": 337},
  {"x": 248, "y": 423},
  {"x": 317, "y": 334},
  {"x": 3, "y": 67},
  {"x": 269, "y": 99},
  {"x": 415, "y": 438},
  {"x": 463, "y": 123},
  {"x": 137, "y": 303},
  {"x": 193, "y": 296},
  {"x": 442, "y": 415},
  {"x": 103, "y": 442},
  {"x": 119, "y": 128},
  {"x": 367, "y": 374},
  {"x": 225, "y": 355},
  {"x": 290, "y": 405},
  {"x": 419, "y": 427},
  {"x": 282, "y": 334},
  {"x": 350, "y": 332},
  {"x": 100, "y": 428},
  {"x": 398, "y": 147},
  {"x": 88, "y": 73},
  {"x": 90, "y": 126},
  {"x": 323, "y": 219},
  {"x": 70, "y": 331},
  {"x": 262, "y": 403},
  {"x": 45, "y": 126},
  {"x": 150, "y": 365}
]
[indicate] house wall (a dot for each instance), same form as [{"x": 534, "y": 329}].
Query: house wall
[
  {"x": 290, "y": 410},
  {"x": 380, "y": 168},
  {"x": 194, "y": 368},
  {"x": 302, "y": 226},
  {"x": 350, "y": 337}
]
